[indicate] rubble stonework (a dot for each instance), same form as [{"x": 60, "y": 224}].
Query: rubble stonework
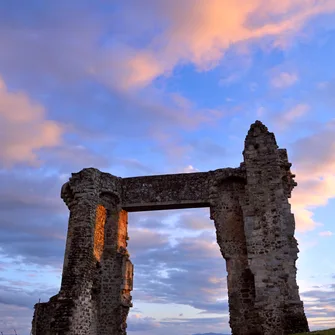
[{"x": 255, "y": 233}]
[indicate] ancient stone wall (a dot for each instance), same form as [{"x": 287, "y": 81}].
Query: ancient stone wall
[{"x": 255, "y": 233}]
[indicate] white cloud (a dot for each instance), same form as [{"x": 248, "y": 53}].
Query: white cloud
[
  {"x": 284, "y": 79},
  {"x": 190, "y": 169},
  {"x": 325, "y": 233}
]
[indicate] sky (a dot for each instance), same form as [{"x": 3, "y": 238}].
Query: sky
[{"x": 153, "y": 87}]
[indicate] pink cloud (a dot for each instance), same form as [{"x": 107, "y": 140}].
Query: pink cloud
[
  {"x": 173, "y": 32},
  {"x": 189, "y": 169},
  {"x": 314, "y": 167},
  {"x": 211, "y": 28},
  {"x": 286, "y": 118},
  {"x": 24, "y": 128}
]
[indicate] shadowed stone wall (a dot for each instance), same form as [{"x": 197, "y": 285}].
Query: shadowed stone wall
[{"x": 254, "y": 227}]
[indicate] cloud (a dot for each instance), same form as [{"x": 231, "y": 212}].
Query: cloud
[
  {"x": 190, "y": 169},
  {"x": 210, "y": 324},
  {"x": 284, "y": 79},
  {"x": 138, "y": 323},
  {"x": 136, "y": 165},
  {"x": 319, "y": 308},
  {"x": 212, "y": 27},
  {"x": 73, "y": 157},
  {"x": 91, "y": 85},
  {"x": 136, "y": 56},
  {"x": 143, "y": 325},
  {"x": 205, "y": 149},
  {"x": 195, "y": 220},
  {"x": 16, "y": 303},
  {"x": 165, "y": 272},
  {"x": 226, "y": 81},
  {"x": 325, "y": 233},
  {"x": 314, "y": 166},
  {"x": 197, "y": 151},
  {"x": 171, "y": 273},
  {"x": 151, "y": 239},
  {"x": 285, "y": 119},
  {"x": 24, "y": 128},
  {"x": 15, "y": 317},
  {"x": 120, "y": 54},
  {"x": 155, "y": 220},
  {"x": 33, "y": 218},
  {"x": 18, "y": 296},
  {"x": 132, "y": 58}
]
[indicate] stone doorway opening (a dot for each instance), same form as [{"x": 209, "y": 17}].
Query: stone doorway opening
[{"x": 179, "y": 272}]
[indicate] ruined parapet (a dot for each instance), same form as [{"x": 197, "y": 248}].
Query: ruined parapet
[{"x": 254, "y": 228}]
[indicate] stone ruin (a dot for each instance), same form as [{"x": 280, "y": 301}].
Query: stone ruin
[{"x": 254, "y": 227}]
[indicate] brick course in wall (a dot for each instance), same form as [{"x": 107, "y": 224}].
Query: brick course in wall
[{"x": 255, "y": 233}]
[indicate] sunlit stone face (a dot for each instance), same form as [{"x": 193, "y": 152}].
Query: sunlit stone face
[{"x": 99, "y": 232}]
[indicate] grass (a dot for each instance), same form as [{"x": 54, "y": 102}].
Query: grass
[{"x": 320, "y": 332}]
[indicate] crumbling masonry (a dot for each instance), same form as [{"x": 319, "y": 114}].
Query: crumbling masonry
[{"x": 254, "y": 227}]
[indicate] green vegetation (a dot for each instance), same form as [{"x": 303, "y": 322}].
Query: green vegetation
[{"x": 320, "y": 332}]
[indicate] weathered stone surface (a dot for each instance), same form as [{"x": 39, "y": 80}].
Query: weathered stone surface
[
  {"x": 254, "y": 226},
  {"x": 269, "y": 228},
  {"x": 228, "y": 218}
]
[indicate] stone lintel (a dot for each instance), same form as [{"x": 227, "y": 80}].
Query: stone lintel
[
  {"x": 171, "y": 191},
  {"x": 152, "y": 206},
  {"x": 149, "y": 193}
]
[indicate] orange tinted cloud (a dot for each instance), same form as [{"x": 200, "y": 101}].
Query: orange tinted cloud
[
  {"x": 199, "y": 32},
  {"x": 314, "y": 167},
  {"x": 23, "y": 128}
]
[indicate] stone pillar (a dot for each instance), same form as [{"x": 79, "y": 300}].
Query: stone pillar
[
  {"x": 115, "y": 272},
  {"x": 228, "y": 217},
  {"x": 97, "y": 275},
  {"x": 269, "y": 228},
  {"x": 72, "y": 310}
]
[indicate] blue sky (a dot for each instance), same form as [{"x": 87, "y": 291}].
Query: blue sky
[{"x": 153, "y": 87}]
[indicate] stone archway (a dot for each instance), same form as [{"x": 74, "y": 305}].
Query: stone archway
[{"x": 255, "y": 232}]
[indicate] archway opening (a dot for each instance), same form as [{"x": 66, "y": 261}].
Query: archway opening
[{"x": 180, "y": 278}]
